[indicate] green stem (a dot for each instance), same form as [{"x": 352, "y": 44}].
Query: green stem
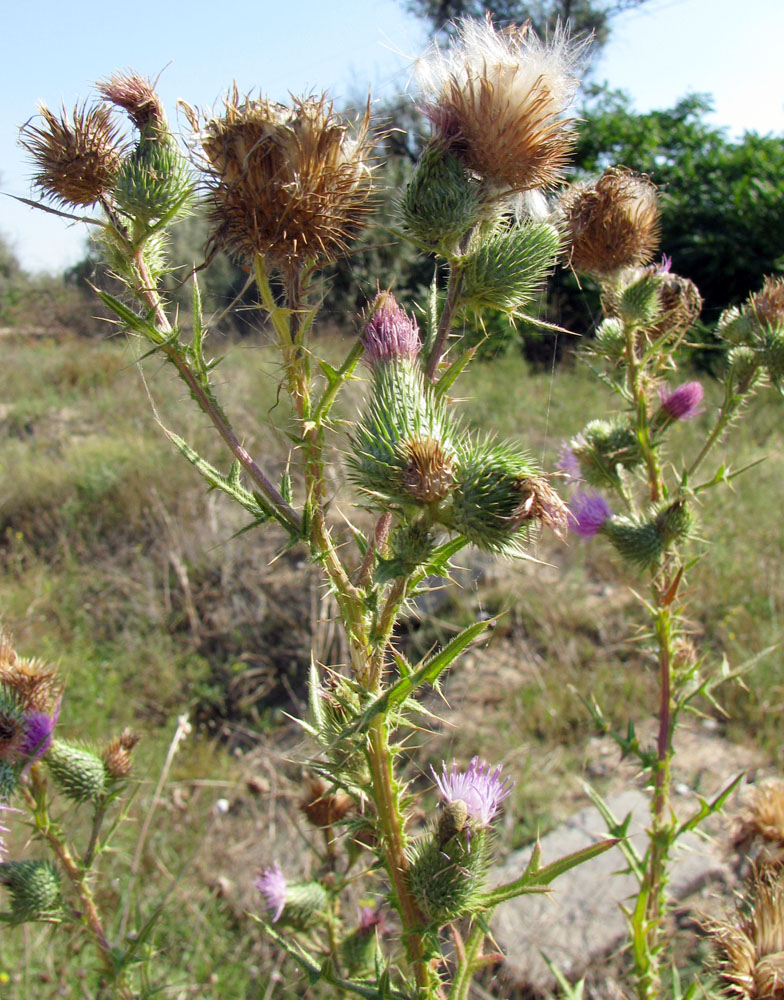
[
  {"x": 454, "y": 289},
  {"x": 461, "y": 984},
  {"x": 393, "y": 841}
]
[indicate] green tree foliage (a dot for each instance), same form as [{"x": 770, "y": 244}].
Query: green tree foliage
[
  {"x": 584, "y": 17},
  {"x": 722, "y": 201}
]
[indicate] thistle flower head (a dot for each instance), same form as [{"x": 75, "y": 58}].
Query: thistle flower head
[
  {"x": 272, "y": 885},
  {"x": 136, "y": 95},
  {"x": 684, "y": 402},
  {"x": 588, "y": 513},
  {"x": 35, "y": 684},
  {"x": 12, "y": 728},
  {"x": 767, "y": 305},
  {"x": 613, "y": 224},
  {"x": 750, "y": 948},
  {"x": 481, "y": 790},
  {"x": 568, "y": 463},
  {"x": 118, "y": 755},
  {"x": 763, "y": 820},
  {"x": 39, "y": 727},
  {"x": 428, "y": 473},
  {"x": 290, "y": 182},
  {"x": 389, "y": 334},
  {"x": 77, "y": 156},
  {"x": 498, "y": 97}
]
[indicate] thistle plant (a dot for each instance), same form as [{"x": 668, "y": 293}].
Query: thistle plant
[
  {"x": 635, "y": 490},
  {"x": 286, "y": 189}
]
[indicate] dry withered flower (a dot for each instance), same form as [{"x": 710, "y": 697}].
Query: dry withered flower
[
  {"x": 293, "y": 183},
  {"x": 612, "y": 224},
  {"x": 77, "y": 157},
  {"x": 762, "y": 820},
  {"x": 498, "y": 99},
  {"x": 540, "y": 502},
  {"x": 136, "y": 95},
  {"x": 34, "y": 684},
  {"x": 429, "y": 470},
  {"x": 750, "y": 948},
  {"x": 117, "y": 757},
  {"x": 324, "y": 808},
  {"x": 768, "y": 303}
]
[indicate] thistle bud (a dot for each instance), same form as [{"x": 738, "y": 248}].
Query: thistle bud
[
  {"x": 389, "y": 334},
  {"x": 292, "y": 183},
  {"x": 498, "y": 97},
  {"x": 77, "y": 157},
  {"x": 508, "y": 268},
  {"x": 446, "y": 879},
  {"x": 34, "y": 888},
  {"x": 359, "y": 949},
  {"x": 643, "y": 541},
  {"x": 499, "y": 496},
  {"x": 682, "y": 403},
  {"x": 117, "y": 756},
  {"x": 442, "y": 202},
  {"x": 79, "y": 774},
  {"x": 602, "y": 447},
  {"x": 613, "y": 224},
  {"x": 410, "y": 546},
  {"x": 300, "y": 905},
  {"x": 153, "y": 180}
]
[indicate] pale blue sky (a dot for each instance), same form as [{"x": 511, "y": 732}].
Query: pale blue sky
[{"x": 54, "y": 51}]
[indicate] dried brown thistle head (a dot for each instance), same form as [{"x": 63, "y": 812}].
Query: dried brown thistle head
[
  {"x": 136, "y": 95},
  {"x": 762, "y": 820},
  {"x": 498, "y": 99},
  {"x": 612, "y": 224},
  {"x": 540, "y": 502},
  {"x": 34, "y": 684},
  {"x": 750, "y": 948},
  {"x": 429, "y": 469},
  {"x": 117, "y": 757},
  {"x": 77, "y": 157},
  {"x": 323, "y": 808},
  {"x": 768, "y": 304},
  {"x": 293, "y": 183}
]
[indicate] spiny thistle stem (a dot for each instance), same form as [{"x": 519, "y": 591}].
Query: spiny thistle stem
[
  {"x": 634, "y": 376},
  {"x": 461, "y": 985},
  {"x": 445, "y": 322},
  {"x": 733, "y": 398},
  {"x": 150, "y": 295},
  {"x": 393, "y": 844},
  {"x": 77, "y": 876}
]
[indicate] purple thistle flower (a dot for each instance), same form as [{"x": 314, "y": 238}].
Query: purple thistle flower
[
  {"x": 684, "y": 402},
  {"x": 389, "y": 333},
  {"x": 39, "y": 727},
  {"x": 665, "y": 266},
  {"x": 569, "y": 463},
  {"x": 481, "y": 791},
  {"x": 272, "y": 885},
  {"x": 588, "y": 512}
]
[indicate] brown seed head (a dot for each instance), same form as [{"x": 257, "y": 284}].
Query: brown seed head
[
  {"x": 77, "y": 157},
  {"x": 429, "y": 470},
  {"x": 679, "y": 299},
  {"x": 136, "y": 95},
  {"x": 323, "y": 808},
  {"x": 289, "y": 182},
  {"x": 498, "y": 99},
  {"x": 750, "y": 949},
  {"x": 34, "y": 684},
  {"x": 763, "y": 820},
  {"x": 117, "y": 757},
  {"x": 768, "y": 304},
  {"x": 613, "y": 224},
  {"x": 540, "y": 502}
]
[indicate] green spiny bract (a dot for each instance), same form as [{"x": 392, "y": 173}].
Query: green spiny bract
[
  {"x": 359, "y": 950},
  {"x": 79, "y": 774},
  {"x": 509, "y": 266},
  {"x": 153, "y": 179},
  {"x": 772, "y": 356},
  {"x": 404, "y": 445},
  {"x": 643, "y": 541},
  {"x": 610, "y": 340},
  {"x": 306, "y": 905},
  {"x": 446, "y": 877},
  {"x": 639, "y": 303},
  {"x": 441, "y": 202},
  {"x": 34, "y": 887},
  {"x": 340, "y": 705},
  {"x": 602, "y": 447},
  {"x": 410, "y": 547},
  {"x": 489, "y": 503},
  {"x": 9, "y": 775}
]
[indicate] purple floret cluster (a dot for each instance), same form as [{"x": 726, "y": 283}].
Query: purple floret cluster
[
  {"x": 588, "y": 513},
  {"x": 389, "y": 334},
  {"x": 272, "y": 885},
  {"x": 482, "y": 791}
]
